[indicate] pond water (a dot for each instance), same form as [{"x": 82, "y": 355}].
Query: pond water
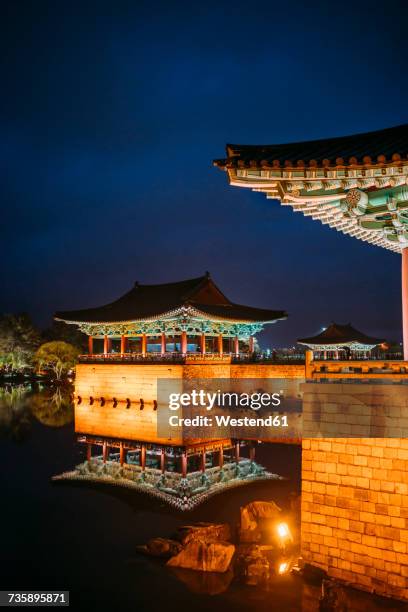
[{"x": 84, "y": 538}]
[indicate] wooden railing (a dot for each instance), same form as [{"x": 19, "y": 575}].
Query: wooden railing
[
  {"x": 190, "y": 357},
  {"x": 154, "y": 358}
]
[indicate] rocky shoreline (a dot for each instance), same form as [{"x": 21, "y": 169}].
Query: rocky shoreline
[{"x": 263, "y": 545}]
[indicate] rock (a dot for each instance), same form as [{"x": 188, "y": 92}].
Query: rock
[
  {"x": 259, "y": 520},
  {"x": 256, "y": 510},
  {"x": 162, "y": 547},
  {"x": 207, "y": 532},
  {"x": 312, "y": 574},
  {"x": 253, "y": 566},
  {"x": 204, "y": 556},
  {"x": 334, "y": 598}
]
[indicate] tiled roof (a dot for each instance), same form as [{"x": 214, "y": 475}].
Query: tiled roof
[
  {"x": 370, "y": 148},
  {"x": 148, "y": 301},
  {"x": 340, "y": 334}
]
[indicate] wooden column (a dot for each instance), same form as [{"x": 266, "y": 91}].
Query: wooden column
[
  {"x": 89, "y": 452},
  {"x": 237, "y": 452},
  {"x": 105, "y": 344},
  {"x": 122, "y": 454},
  {"x": 236, "y": 346},
  {"x": 309, "y": 364},
  {"x": 183, "y": 342},
  {"x": 203, "y": 461},
  {"x": 221, "y": 457},
  {"x": 163, "y": 460},
  {"x": 90, "y": 345},
  {"x": 220, "y": 348},
  {"x": 404, "y": 287},
  {"x": 105, "y": 452},
  {"x": 184, "y": 464},
  {"x": 163, "y": 344},
  {"x": 143, "y": 457},
  {"x": 123, "y": 345},
  {"x": 202, "y": 344},
  {"x": 252, "y": 452},
  {"x": 144, "y": 345},
  {"x": 251, "y": 344}
]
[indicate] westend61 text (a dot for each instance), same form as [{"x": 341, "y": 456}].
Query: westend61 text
[
  {"x": 204, "y": 399},
  {"x": 228, "y": 421}
]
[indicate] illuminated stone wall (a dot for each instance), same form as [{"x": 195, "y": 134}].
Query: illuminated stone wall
[
  {"x": 122, "y": 381},
  {"x": 355, "y": 490},
  {"x": 136, "y": 381},
  {"x": 139, "y": 382}
]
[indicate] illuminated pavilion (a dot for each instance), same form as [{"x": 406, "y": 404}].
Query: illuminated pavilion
[
  {"x": 337, "y": 341},
  {"x": 191, "y": 317},
  {"x": 355, "y": 184},
  {"x": 171, "y": 331}
]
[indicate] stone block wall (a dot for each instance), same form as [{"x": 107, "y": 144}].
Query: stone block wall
[
  {"x": 355, "y": 491},
  {"x": 136, "y": 381}
]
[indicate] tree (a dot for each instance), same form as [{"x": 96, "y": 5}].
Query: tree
[
  {"x": 58, "y": 357},
  {"x": 18, "y": 341}
]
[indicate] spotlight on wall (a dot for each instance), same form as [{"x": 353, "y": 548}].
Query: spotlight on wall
[
  {"x": 91, "y": 400},
  {"x": 115, "y": 402},
  {"x": 127, "y": 402}
]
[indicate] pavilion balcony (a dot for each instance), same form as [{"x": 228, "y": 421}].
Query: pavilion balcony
[
  {"x": 151, "y": 357},
  {"x": 191, "y": 357}
]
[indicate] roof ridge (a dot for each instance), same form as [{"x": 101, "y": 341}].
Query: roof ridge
[
  {"x": 317, "y": 140},
  {"x": 186, "y": 280}
]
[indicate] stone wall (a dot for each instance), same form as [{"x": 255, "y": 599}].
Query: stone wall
[
  {"x": 122, "y": 381},
  {"x": 140, "y": 380},
  {"x": 355, "y": 490}
]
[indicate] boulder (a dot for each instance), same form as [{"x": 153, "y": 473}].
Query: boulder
[
  {"x": 252, "y": 513},
  {"x": 253, "y": 566},
  {"x": 207, "y": 532},
  {"x": 162, "y": 547},
  {"x": 204, "y": 556}
]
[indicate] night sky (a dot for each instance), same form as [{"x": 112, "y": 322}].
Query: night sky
[{"x": 111, "y": 115}]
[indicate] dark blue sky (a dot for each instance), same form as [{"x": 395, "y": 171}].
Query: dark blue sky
[{"x": 111, "y": 114}]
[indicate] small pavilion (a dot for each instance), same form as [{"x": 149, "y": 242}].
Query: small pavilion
[
  {"x": 339, "y": 342},
  {"x": 186, "y": 317}
]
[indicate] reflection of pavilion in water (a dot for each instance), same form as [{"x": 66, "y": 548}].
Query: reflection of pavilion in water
[{"x": 181, "y": 471}]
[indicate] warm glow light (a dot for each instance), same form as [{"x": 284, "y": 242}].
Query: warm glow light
[
  {"x": 283, "y": 568},
  {"x": 283, "y": 530}
]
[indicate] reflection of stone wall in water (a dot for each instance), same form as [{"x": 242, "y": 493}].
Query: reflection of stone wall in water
[
  {"x": 354, "y": 489},
  {"x": 122, "y": 422}
]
